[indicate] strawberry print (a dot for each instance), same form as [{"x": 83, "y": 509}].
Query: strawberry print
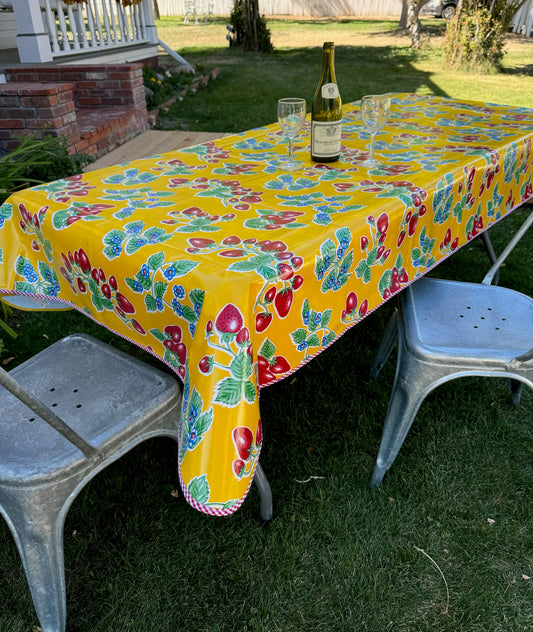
[{"x": 246, "y": 448}]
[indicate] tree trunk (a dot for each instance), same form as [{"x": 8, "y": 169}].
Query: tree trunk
[{"x": 249, "y": 29}]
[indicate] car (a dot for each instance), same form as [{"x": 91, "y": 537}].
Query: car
[{"x": 440, "y": 8}]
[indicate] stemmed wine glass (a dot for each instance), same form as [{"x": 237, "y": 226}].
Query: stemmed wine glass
[
  {"x": 375, "y": 109},
  {"x": 291, "y": 117}
]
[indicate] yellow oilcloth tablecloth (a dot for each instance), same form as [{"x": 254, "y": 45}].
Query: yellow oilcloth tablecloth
[{"x": 236, "y": 273}]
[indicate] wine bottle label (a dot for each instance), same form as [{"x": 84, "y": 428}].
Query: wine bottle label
[
  {"x": 330, "y": 91},
  {"x": 326, "y": 138}
]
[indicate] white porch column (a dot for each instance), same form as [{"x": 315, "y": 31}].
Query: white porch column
[
  {"x": 32, "y": 39},
  {"x": 151, "y": 29}
]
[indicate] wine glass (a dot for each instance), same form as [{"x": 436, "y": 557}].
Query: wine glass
[
  {"x": 291, "y": 117},
  {"x": 375, "y": 110}
]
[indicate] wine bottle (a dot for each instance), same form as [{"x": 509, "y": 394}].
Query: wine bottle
[{"x": 326, "y": 112}]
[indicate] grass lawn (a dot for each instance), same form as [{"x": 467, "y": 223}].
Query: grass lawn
[
  {"x": 370, "y": 57},
  {"x": 445, "y": 544}
]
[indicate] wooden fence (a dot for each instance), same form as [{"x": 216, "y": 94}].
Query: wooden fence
[{"x": 311, "y": 8}]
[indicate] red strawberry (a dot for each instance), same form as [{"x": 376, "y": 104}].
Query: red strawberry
[
  {"x": 262, "y": 321},
  {"x": 269, "y": 296},
  {"x": 124, "y": 304},
  {"x": 238, "y": 467},
  {"x": 351, "y": 302},
  {"x": 243, "y": 336},
  {"x": 285, "y": 271},
  {"x": 174, "y": 331},
  {"x": 229, "y": 320},
  {"x": 259, "y": 434},
  {"x": 279, "y": 365},
  {"x": 243, "y": 440},
  {"x": 200, "y": 242},
  {"x": 205, "y": 364},
  {"x": 401, "y": 237},
  {"x": 283, "y": 302},
  {"x": 382, "y": 223},
  {"x": 138, "y": 327},
  {"x": 297, "y": 281}
]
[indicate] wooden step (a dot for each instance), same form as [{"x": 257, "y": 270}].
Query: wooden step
[{"x": 150, "y": 143}]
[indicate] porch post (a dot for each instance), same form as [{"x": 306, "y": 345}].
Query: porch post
[
  {"x": 32, "y": 39},
  {"x": 151, "y": 28}
]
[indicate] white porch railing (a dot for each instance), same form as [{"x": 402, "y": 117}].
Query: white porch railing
[
  {"x": 51, "y": 29},
  {"x": 98, "y": 24}
]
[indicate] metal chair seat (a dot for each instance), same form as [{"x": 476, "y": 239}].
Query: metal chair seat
[
  {"x": 106, "y": 403},
  {"x": 451, "y": 329},
  {"x": 469, "y": 323}
]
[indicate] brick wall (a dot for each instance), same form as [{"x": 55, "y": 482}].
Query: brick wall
[
  {"x": 29, "y": 107},
  {"x": 63, "y": 98}
]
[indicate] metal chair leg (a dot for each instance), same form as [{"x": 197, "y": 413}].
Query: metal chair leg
[
  {"x": 386, "y": 345},
  {"x": 39, "y": 540},
  {"x": 265, "y": 493}
]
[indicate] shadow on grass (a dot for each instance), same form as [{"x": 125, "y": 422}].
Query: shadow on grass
[{"x": 257, "y": 81}]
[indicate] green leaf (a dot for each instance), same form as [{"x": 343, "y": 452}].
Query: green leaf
[
  {"x": 305, "y": 308},
  {"x": 203, "y": 422},
  {"x": 189, "y": 314},
  {"x": 343, "y": 233},
  {"x": 156, "y": 260},
  {"x": 132, "y": 284},
  {"x": 198, "y": 489},
  {"x": 326, "y": 316},
  {"x": 97, "y": 301},
  {"x": 328, "y": 248},
  {"x": 196, "y": 297},
  {"x": 313, "y": 341},
  {"x": 267, "y": 273},
  {"x": 149, "y": 301},
  {"x": 249, "y": 391},
  {"x": 183, "y": 266},
  {"x": 385, "y": 281},
  {"x": 330, "y": 275},
  {"x": 157, "y": 333},
  {"x": 268, "y": 349},
  {"x": 109, "y": 252},
  {"x": 113, "y": 236},
  {"x": 331, "y": 336},
  {"x": 228, "y": 392},
  {"x": 242, "y": 266},
  {"x": 20, "y": 263},
  {"x": 372, "y": 257},
  {"x": 159, "y": 289},
  {"x": 298, "y": 336},
  {"x": 312, "y": 321},
  {"x": 23, "y": 286},
  {"x": 241, "y": 366},
  {"x": 131, "y": 247}
]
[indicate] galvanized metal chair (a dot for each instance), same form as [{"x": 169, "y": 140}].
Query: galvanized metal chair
[
  {"x": 451, "y": 329},
  {"x": 65, "y": 414}
]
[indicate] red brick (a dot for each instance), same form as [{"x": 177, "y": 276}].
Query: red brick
[
  {"x": 89, "y": 101},
  {"x": 37, "y": 101},
  {"x": 13, "y": 123},
  {"x": 85, "y": 85},
  {"x": 19, "y": 112}
]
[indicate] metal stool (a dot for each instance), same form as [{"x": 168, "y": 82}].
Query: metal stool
[{"x": 451, "y": 329}]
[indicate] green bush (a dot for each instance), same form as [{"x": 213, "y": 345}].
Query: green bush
[
  {"x": 36, "y": 160},
  {"x": 162, "y": 84}
]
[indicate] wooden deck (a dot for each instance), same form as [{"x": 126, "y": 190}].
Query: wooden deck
[{"x": 150, "y": 143}]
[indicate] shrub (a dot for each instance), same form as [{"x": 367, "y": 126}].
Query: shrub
[{"x": 36, "y": 160}]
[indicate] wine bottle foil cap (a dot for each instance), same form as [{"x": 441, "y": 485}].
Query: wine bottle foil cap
[{"x": 328, "y": 44}]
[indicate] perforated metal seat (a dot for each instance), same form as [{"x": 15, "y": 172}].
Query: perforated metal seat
[
  {"x": 106, "y": 403},
  {"x": 451, "y": 329}
]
